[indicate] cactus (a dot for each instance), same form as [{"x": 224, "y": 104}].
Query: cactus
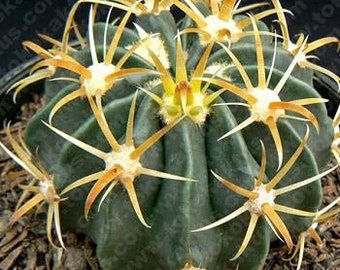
[{"x": 178, "y": 144}]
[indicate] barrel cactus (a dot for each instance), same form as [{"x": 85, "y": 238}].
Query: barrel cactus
[{"x": 189, "y": 143}]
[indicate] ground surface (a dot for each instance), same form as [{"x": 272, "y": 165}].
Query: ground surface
[{"x": 24, "y": 245}]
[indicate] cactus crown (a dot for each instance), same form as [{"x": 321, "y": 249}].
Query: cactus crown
[{"x": 200, "y": 101}]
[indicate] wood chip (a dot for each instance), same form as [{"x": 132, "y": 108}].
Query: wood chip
[
  {"x": 9, "y": 246},
  {"x": 7, "y": 263}
]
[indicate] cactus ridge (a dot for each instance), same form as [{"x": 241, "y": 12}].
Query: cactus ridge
[{"x": 166, "y": 134}]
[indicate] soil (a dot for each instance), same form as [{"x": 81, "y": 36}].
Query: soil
[{"x": 24, "y": 246}]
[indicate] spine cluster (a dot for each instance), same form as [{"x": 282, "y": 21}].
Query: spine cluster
[{"x": 177, "y": 129}]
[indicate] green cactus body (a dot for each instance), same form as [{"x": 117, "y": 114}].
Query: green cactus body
[{"x": 176, "y": 210}]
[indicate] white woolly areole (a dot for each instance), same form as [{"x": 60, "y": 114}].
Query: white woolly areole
[
  {"x": 151, "y": 84},
  {"x": 264, "y": 197},
  {"x": 301, "y": 56},
  {"x": 197, "y": 111},
  {"x": 47, "y": 189},
  {"x": 96, "y": 84},
  {"x": 153, "y": 43},
  {"x": 260, "y": 110},
  {"x": 149, "y": 4},
  {"x": 129, "y": 166},
  {"x": 54, "y": 68},
  {"x": 215, "y": 26}
]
